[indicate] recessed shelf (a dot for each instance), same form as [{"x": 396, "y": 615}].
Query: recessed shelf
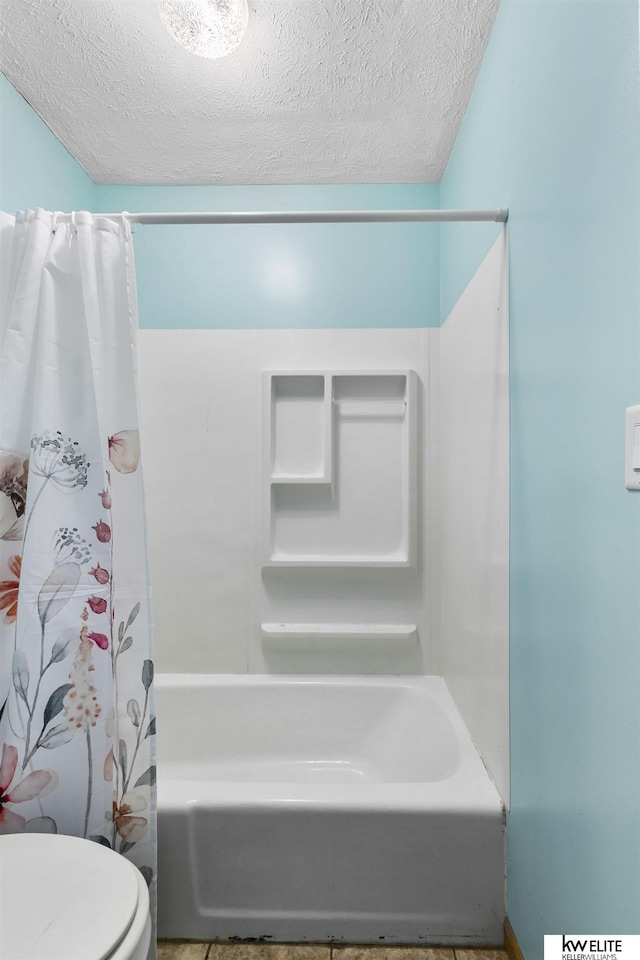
[
  {"x": 297, "y": 478},
  {"x": 399, "y": 559},
  {"x": 370, "y": 386},
  {"x": 298, "y": 450},
  {"x": 340, "y": 456},
  {"x": 393, "y": 632}
]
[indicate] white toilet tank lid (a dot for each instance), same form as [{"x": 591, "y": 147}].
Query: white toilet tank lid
[{"x": 63, "y": 898}]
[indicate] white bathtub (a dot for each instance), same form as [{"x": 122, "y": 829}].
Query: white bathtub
[{"x": 324, "y": 808}]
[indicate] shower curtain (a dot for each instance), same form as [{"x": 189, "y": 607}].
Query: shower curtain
[{"x": 77, "y": 728}]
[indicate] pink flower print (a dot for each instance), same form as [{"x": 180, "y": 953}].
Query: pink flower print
[
  {"x": 131, "y": 828},
  {"x": 34, "y": 785},
  {"x": 124, "y": 451},
  {"x": 101, "y": 575},
  {"x": 103, "y": 531},
  {"x": 105, "y": 496},
  {"x": 80, "y": 705},
  {"x": 99, "y": 639},
  {"x": 97, "y": 604}
]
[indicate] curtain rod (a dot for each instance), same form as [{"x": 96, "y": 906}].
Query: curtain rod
[{"x": 498, "y": 215}]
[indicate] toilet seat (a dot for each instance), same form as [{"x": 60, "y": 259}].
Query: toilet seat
[{"x": 64, "y": 898}]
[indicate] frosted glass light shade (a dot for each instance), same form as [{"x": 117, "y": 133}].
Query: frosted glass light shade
[{"x": 208, "y": 28}]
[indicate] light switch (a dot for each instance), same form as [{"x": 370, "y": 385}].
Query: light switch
[{"x": 632, "y": 449}]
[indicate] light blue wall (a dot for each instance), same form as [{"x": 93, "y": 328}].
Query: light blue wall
[
  {"x": 35, "y": 169},
  {"x": 552, "y": 131},
  {"x": 328, "y": 275}
]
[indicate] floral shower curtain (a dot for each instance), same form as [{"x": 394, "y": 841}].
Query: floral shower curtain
[{"x": 77, "y": 729}]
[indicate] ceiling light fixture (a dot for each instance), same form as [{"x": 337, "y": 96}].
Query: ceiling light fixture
[{"x": 208, "y": 28}]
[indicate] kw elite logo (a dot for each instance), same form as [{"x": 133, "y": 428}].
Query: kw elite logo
[{"x": 579, "y": 947}]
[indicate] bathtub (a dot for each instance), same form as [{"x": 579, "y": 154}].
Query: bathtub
[{"x": 324, "y": 808}]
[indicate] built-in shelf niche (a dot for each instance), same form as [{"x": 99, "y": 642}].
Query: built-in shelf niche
[
  {"x": 300, "y": 447},
  {"x": 327, "y": 632},
  {"x": 340, "y": 463}
]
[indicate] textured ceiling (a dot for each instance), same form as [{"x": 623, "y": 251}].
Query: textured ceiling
[{"x": 319, "y": 91}]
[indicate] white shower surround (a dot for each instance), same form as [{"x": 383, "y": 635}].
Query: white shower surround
[
  {"x": 470, "y": 508},
  {"x": 324, "y": 808},
  {"x": 205, "y": 451}
]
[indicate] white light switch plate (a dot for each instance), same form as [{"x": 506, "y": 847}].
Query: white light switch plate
[{"x": 632, "y": 448}]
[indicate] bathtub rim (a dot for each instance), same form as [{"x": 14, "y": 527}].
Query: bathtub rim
[{"x": 470, "y": 789}]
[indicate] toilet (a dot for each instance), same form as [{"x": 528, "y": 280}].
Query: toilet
[{"x": 64, "y": 898}]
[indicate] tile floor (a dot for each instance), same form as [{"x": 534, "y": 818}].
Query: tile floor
[{"x": 182, "y": 950}]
